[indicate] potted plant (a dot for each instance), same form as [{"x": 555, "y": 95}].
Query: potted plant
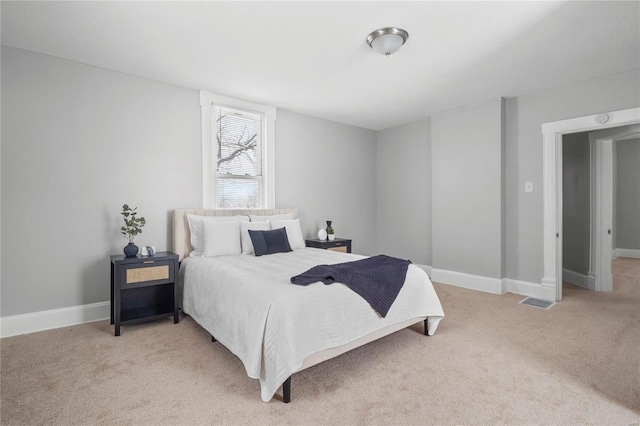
[
  {"x": 330, "y": 231},
  {"x": 133, "y": 226}
]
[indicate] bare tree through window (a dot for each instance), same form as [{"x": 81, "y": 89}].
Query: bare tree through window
[{"x": 239, "y": 159}]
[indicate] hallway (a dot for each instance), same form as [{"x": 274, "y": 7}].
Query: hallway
[{"x": 626, "y": 279}]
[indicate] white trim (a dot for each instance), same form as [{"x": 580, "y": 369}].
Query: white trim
[
  {"x": 591, "y": 281},
  {"x": 55, "y": 318},
  {"x": 493, "y": 285},
  {"x": 473, "y": 282},
  {"x": 620, "y": 252},
  {"x": 207, "y": 100},
  {"x": 530, "y": 289},
  {"x": 551, "y": 224},
  {"x": 593, "y": 210},
  {"x": 604, "y": 212},
  {"x": 576, "y": 278},
  {"x": 270, "y": 159},
  {"x": 552, "y": 186},
  {"x": 208, "y": 182}
]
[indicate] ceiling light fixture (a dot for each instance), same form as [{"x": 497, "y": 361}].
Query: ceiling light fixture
[{"x": 386, "y": 41}]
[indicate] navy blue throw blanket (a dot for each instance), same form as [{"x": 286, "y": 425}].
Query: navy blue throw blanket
[{"x": 377, "y": 279}]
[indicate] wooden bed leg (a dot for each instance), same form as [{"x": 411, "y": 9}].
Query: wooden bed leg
[
  {"x": 286, "y": 391},
  {"x": 426, "y": 327},
  {"x": 213, "y": 339}
]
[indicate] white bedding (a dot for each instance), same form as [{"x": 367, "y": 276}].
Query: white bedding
[{"x": 250, "y": 306}]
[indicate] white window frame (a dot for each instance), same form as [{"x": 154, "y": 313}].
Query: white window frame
[{"x": 209, "y": 175}]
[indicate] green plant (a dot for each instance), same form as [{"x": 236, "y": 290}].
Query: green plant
[
  {"x": 133, "y": 225},
  {"x": 329, "y": 228}
]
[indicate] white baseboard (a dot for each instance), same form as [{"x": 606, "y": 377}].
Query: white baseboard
[
  {"x": 591, "y": 281},
  {"x": 473, "y": 282},
  {"x": 530, "y": 289},
  {"x": 46, "y": 320},
  {"x": 494, "y": 285},
  {"x": 576, "y": 278},
  {"x": 625, "y": 253},
  {"x": 55, "y": 318}
]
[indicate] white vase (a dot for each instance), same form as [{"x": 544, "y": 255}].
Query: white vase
[
  {"x": 322, "y": 234},
  {"x": 332, "y": 237}
]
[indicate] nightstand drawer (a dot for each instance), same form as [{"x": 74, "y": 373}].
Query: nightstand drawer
[
  {"x": 342, "y": 249},
  {"x": 150, "y": 271}
]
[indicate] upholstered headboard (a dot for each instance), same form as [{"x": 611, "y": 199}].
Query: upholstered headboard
[{"x": 182, "y": 238}]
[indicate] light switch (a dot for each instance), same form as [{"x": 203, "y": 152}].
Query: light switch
[{"x": 528, "y": 187}]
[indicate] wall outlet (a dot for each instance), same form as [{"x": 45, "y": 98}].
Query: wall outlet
[{"x": 528, "y": 187}]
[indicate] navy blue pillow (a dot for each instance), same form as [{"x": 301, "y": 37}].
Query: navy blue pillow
[{"x": 269, "y": 242}]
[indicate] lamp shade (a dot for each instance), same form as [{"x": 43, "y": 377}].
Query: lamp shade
[{"x": 386, "y": 41}]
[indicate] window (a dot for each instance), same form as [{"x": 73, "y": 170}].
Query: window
[
  {"x": 238, "y": 160},
  {"x": 237, "y": 153}
]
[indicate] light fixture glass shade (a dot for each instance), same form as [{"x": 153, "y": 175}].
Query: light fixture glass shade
[
  {"x": 387, "y": 44},
  {"x": 386, "y": 41}
]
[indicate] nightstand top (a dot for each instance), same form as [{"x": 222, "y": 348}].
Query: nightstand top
[
  {"x": 335, "y": 240},
  {"x": 161, "y": 255}
]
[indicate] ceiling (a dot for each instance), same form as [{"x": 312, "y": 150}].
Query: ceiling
[{"x": 311, "y": 56}]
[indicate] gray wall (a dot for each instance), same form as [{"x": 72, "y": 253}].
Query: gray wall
[
  {"x": 576, "y": 202},
  {"x": 523, "y": 118},
  {"x": 77, "y": 143},
  {"x": 404, "y": 191},
  {"x": 467, "y": 148},
  {"x": 328, "y": 171},
  {"x": 628, "y": 194},
  {"x": 525, "y": 115}
]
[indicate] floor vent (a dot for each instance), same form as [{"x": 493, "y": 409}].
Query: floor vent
[{"x": 538, "y": 303}]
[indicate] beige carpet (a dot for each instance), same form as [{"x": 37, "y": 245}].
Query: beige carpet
[{"x": 491, "y": 361}]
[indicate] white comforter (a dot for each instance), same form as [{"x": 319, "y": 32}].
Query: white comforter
[{"x": 250, "y": 306}]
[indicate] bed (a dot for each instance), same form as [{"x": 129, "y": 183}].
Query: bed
[{"x": 276, "y": 329}]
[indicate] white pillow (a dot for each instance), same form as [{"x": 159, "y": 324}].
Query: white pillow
[
  {"x": 245, "y": 239},
  {"x": 221, "y": 238},
  {"x": 285, "y": 216},
  {"x": 197, "y": 231},
  {"x": 294, "y": 233}
]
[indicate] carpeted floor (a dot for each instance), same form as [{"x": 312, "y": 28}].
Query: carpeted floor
[{"x": 492, "y": 361}]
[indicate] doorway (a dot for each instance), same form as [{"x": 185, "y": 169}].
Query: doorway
[
  {"x": 552, "y": 184},
  {"x": 589, "y": 204}
]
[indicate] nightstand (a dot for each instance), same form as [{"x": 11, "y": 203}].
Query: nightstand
[
  {"x": 143, "y": 288},
  {"x": 338, "y": 244}
]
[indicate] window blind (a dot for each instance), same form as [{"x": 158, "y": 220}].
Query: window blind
[{"x": 239, "y": 138}]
